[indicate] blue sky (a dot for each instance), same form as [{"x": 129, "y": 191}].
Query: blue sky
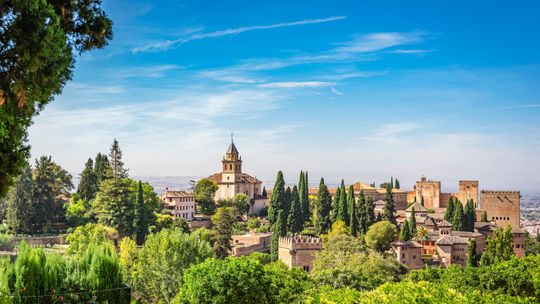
[{"x": 359, "y": 90}]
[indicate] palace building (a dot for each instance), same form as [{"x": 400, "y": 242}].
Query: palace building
[{"x": 232, "y": 181}]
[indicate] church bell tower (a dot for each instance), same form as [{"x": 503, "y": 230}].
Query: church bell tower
[{"x": 232, "y": 165}]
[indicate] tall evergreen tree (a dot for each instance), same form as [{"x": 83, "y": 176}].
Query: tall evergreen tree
[
  {"x": 295, "y": 221},
  {"x": 115, "y": 160},
  {"x": 20, "y": 207},
  {"x": 379, "y": 217},
  {"x": 472, "y": 256},
  {"x": 405, "y": 233},
  {"x": 264, "y": 194},
  {"x": 335, "y": 205},
  {"x": 412, "y": 223},
  {"x": 304, "y": 198},
  {"x": 353, "y": 216},
  {"x": 114, "y": 207},
  {"x": 324, "y": 205},
  {"x": 50, "y": 183},
  {"x": 458, "y": 220},
  {"x": 392, "y": 182},
  {"x": 422, "y": 201},
  {"x": 449, "y": 214},
  {"x": 278, "y": 230},
  {"x": 389, "y": 208},
  {"x": 141, "y": 218},
  {"x": 397, "y": 186},
  {"x": 499, "y": 247},
  {"x": 469, "y": 216},
  {"x": 370, "y": 212},
  {"x": 88, "y": 186},
  {"x": 343, "y": 214},
  {"x": 362, "y": 213},
  {"x": 484, "y": 216},
  {"x": 102, "y": 168},
  {"x": 277, "y": 199},
  {"x": 287, "y": 204}
]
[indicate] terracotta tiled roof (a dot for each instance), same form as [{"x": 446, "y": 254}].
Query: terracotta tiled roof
[
  {"x": 466, "y": 234},
  {"x": 176, "y": 193},
  {"x": 417, "y": 208},
  {"x": 245, "y": 179},
  {"x": 413, "y": 244},
  {"x": 444, "y": 223},
  {"x": 451, "y": 239}
]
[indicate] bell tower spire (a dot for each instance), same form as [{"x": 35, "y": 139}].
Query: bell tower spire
[{"x": 232, "y": 163}]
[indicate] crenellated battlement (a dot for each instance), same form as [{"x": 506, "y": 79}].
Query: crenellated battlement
[
  {"x": 300, "y": 242},
  {"x": 499, "y": 192}
]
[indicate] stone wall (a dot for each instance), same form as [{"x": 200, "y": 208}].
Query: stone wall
[
  {"x": 468, "y": 189},
  {"x": 502, "y": 207},
  {"x": 430, "y": 191}
]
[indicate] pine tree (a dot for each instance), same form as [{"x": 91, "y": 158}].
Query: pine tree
[
  {"x": 397, "y": 186},
  {"x": 115, "y": 160},
  {"x": 278, "y": 230},
  {"x": 264, "y": 194},
  {"x": 141, "y": 219},
  {"x": 305, "y": 198},
  {"x": 389, "y": 208},
  {"x": 412, "y": 224},
  {"x": 353, "y": 216},
  {"x": 295, "y": 221},
  {"x": 277, "y": 199},
  {"x": 449, "y": 214},
  {"x": 370, "y": 212},
  {"x": 88, "y": 186},
  {"x": 102, "y": 168},
  {"x": 343, "y": 214},
  {"x": 20, "y": 207},
  {"x": 405, "y": 234},
  {"x": 362, "y": 213},
  {"x": 472, "y": 256},
  {"x": 324, "y": 205},
  {"x": 335, "y": 205},
  {"x": 458, "y": 219},
  {"x": 114, "y": 207},
  {"x": 484, "y": 216}
]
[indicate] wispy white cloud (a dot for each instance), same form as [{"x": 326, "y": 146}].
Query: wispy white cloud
[
  {"x": 409, "y": 51},
  {"x": 336, "y": 91},
  {"x": 296, "y": 84},
  {"x": 163, "y": 45}
]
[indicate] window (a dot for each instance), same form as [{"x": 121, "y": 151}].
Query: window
[{"x": 306, "y": 268}]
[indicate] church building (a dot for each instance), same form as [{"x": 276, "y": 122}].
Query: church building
[{"x": 232, "y": 181}]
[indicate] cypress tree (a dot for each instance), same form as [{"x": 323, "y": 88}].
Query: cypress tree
[
  {"x": 295, "y": 221},
  {"x": 392, "y": 182},
  {"x": 353, "y": 216},
  {"x": 278, "y": 230},
  {"x": 141, "y": 219},
  {"x": 335, "y": 205},
  {"x": 305, "y": 198},
  {"x": 379, "y": 217},
  {"x": 343, "y": 214},
  {"x": 484, "y": 216},
  {"x": 412, "y": 224},
  {"x": 20, "y": 206},
  {"x": 277, "y": 199},
  {"x": 397, "y": 186},
  {"x": 472, "y": 256},
  {"x": 470, "y": 216},
  {"x": 88, "y": 186},
  {"x": 370, "y": 212},
  {"x": 458, "y": 219},
  {"x": 288, "y": 203},
  {"x": 115, "y": 160},
  {"x": 405, "y": 233},
  {"x": 362, "y": 213},
  {"x": 264, "y": 194},
  {"x": 389, "y": 208},
  {"x": 449, "y": 214},
  {"x": 422, "y": 201},
  {"x": 324, "y": 205}
]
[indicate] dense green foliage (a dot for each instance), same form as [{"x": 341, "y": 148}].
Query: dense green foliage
[
  {"x": 389, "y": 211},
  {"x": 499, "y": 247},
  {"x": 141, "y": 217},
  {"x": 114, "y": 205},
  {"x": 277, "y": 199},
  {"x": 405, "y": 233},
  {"x": 222, "y": 224},
  {"x": 40, "y": 40},
  {"x": 242, "y": 280},
  {"x": 449, "y": 213},
  {"x": 156, "y": 270},
  {"x": 322, "y": 209},
  {"x": 88, "y": 185},
  {"x": 90, "y": 234},
  {"x": 20, "y": 206},
  {"x": 204, "y": 196},
  {"x": 295, "y": 221},
  {"x": 380, "y": 235}
]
